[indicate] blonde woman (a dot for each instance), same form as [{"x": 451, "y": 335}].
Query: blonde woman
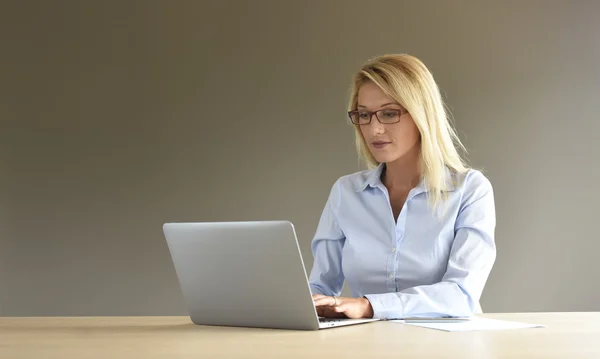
[{"x": 413, "y": 236}]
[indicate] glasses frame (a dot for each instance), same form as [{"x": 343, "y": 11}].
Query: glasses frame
[{"x": 402, "y": 111}]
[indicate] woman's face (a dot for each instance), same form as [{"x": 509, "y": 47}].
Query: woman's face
[{"x": 389, "y": 141}]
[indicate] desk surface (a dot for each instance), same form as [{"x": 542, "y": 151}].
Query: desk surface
[{"x": 567, "y": 335}]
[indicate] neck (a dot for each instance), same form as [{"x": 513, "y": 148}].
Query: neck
[{"x": 405, "y": 172}]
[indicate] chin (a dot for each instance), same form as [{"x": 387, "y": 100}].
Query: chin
[{"x": 384, "y": 158}]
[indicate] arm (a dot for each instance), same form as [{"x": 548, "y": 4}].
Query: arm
[
  {"x": 472, "y": 256},
  {"x": 326, "y": 276}
]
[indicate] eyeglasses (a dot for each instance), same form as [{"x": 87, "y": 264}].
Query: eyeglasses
[{"x": 385, "y": 116}]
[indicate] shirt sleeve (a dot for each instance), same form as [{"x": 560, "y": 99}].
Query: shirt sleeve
[
  {"x": 326, "y": 276},
  {"x": 472, "y": 256}
]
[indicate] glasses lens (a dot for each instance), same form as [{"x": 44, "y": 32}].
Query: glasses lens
[
  {"x": 388, "y": 116},
  {"x": 359, "y": 117}
]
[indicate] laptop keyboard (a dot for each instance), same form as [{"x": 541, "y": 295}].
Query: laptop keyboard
[{"x": 331, "y": 320}]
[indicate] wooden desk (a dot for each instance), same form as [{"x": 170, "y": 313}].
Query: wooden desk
[{"x": 568, "y": 335}]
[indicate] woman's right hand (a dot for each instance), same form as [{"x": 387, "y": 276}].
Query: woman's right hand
[
  {"x": 342, "y": 307},
  {"x": 324, "y": 309}
]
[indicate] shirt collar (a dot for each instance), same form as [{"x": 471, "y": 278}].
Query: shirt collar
[{"x": 373, "y": 179}]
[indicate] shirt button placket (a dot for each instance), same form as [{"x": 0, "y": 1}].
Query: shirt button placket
[{"x": 399, "y": 236}]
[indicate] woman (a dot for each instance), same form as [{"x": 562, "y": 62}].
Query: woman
[{"x": 413, "y": 236}]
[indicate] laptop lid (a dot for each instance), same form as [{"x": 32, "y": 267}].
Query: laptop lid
[{"x": 247, "y": 274}]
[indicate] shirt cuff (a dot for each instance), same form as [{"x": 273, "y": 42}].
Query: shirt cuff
[{"x": 386, "y": 306}]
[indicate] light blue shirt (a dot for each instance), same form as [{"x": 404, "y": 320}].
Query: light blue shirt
[{"x": 421, "y": 265}]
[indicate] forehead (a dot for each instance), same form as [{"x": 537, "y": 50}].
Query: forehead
[{"x": 370, "y": 95}]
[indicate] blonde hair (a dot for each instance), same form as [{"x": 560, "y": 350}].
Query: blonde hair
[{"x": 407, "y": 80}]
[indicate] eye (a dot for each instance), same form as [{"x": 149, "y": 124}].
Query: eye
[
  {"x": 390, "y": 113},
  {"x": 363, "y": 115}
]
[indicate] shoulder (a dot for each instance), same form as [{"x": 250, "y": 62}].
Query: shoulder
[
  {"x": 473, "y": 180},
  {"x": 351, "y": 184},
  {"x": 355, "y": 181},
  {"x": 473, "y": 185}
]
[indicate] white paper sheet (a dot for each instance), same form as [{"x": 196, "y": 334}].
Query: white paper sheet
[{"x": 475, "y": 323}]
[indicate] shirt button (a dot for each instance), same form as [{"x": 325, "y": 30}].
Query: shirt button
[
  {"x": 393, "y": 250},
  {"x": 391, "y": 275}
]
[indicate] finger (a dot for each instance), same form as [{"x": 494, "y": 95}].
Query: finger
[
  {"x": 331, "y": 313},
  {"x": 321, "y": 299},
  {"x": 317, "y": 296},
  {"x": 320, "y": 311},
  {"x": 328, "y": 312},
  {"x": 341, "y": 308},
  {"x": 329, "y": 301}
]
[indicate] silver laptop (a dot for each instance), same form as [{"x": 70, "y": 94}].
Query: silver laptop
[{"x": 244, "y": 274}]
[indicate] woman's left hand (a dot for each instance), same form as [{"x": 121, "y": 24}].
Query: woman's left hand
[{"x": 337, "y": 307}]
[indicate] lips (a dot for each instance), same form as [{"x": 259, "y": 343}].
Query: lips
[{"x": 379, "y": 144}]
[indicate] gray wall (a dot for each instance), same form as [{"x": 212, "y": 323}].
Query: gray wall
[{"x": 119, "y": 116}]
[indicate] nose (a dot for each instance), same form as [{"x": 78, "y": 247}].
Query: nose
[{"x": 376, "y": 128}]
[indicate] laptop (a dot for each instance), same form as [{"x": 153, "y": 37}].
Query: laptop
[{"x": 245, "y": 274}]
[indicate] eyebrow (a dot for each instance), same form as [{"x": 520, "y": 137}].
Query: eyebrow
[{"x": 385, "y": 104}]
